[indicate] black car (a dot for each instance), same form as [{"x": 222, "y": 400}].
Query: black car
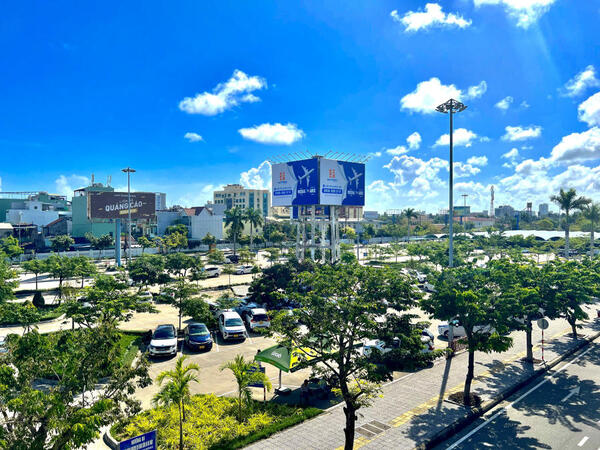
[
  {"x": 234, "y": 259},
  {"x": 197, "y": 337}
]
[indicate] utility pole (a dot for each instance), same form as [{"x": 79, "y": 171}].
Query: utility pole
[
  {"x": 128, "y": 171},
  {"x": 451, "y": 107}
]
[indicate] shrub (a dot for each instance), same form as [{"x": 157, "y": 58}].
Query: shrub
[{"x": 38, "y": 300}]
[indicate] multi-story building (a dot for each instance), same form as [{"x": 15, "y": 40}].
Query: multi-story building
[
  {"x": 36, "y": 208},
  {"x": 504, "y": 211},
  {"x": 207, "y": 219},
  {"x": 236, "y": 195},
  {"x": 161, "y": 201},
  {"x": 543, "y": 210},
  {"x": 81, "y": 223}
]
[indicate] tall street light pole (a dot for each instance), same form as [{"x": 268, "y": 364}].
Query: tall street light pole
[
  {"x": 128, "y": 171},
  {"x": 450, "y": 107}
]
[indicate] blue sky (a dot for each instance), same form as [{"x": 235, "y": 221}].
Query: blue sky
[{"x": 91, "y": 88}]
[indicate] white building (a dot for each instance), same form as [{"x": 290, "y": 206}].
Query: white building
[
  {"x": 208, "y": 219},
  {"x": 234, "y": 195},
  {"x": 32, "y": 212},
  {"x": 161, "y": 201},
  {"x": 543, "y": 210}
]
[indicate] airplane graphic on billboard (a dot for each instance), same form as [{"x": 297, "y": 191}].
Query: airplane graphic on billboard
[
  {"x": 355, "y": 177},
  {"x": 306, "y": 175}
]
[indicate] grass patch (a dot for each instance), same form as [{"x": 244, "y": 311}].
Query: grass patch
[
  {"x": 9, "y": 317},
  {"x": 129, "y": 343},
  {"x": 211, "y": 423}
]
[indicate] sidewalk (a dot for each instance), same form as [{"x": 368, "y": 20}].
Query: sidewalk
[{"x": 415, "y": 408}]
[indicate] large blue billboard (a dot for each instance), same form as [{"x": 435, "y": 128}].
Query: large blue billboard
[
  {"x": 341, "y": 183},
  {"x": 296, "y": 183}
]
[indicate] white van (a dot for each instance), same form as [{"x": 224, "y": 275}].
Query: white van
[{"x": 231, "y": 325}]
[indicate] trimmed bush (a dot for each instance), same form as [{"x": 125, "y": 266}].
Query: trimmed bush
[{"x": 38, "y": 300}]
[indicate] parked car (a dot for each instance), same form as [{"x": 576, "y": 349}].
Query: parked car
[
  {"x": 241, "y": 270},
  {"x": 212, "y": 271},
  {"x": 256, "y": 318},
  {"x": 231, "y": 325},
  {"x": 459, "y": 331},
  {"x": 3, "y": 346},
  {"x": 197, "y": 337},
  {"x": 145, "y": 296},
  {"x": 232, "y": 259},
  {"x": 427, "y": 339},
  {"x": 164, "y": 341}
]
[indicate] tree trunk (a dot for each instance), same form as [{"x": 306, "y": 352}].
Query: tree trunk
[
  {"x": 591, "y": 243},
  {"x": 573, "y": 323},
  {"x": 567, "y": 237},
  {"x": 240, "y": 407},
  {"x": 469, "y": 380},
  {"x": 180, "y": 429},
  {"x": 350, "y": 413},
  {"x": 36, "y": 275},
  {"x": 528, "y": 332},
  {"x": 251, "y": 236}
]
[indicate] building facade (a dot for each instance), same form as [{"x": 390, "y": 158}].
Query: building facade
[
  {"x": 236, "y": 195},
  {"x": 81, "y": 223},
  {"x": 543, "y": 210},
  {"x": 208, "y": 219},
  {"x": 161, "y": 201},
  {"x": 504, "y": 211},
  {"x": 37, "y": 208}
]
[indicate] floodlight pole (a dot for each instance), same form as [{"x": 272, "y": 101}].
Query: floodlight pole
[
  {"x": 128, "y": 171},
  {"x": 451, "y": 106}
]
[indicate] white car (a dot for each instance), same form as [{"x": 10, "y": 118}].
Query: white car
[
  {"x": 145, "y": 296},
  {"x": 3, "y": 347},
  {"x": 164, "y": 341},
  {"x": 212, "y": 271},
  {"x": 231, "y": 325},
  {"x": 459, "y": 331},
  {"x": 256, "y": 318},
  {"x": 427, "y": 339},
  {"x": 241, "y": 270}
]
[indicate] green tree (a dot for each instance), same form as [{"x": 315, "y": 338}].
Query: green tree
[
  {"x": 568, "y": 201},
  {"x": 197, "y": 270},
  {"x": 592, "y": 213},
  {"x": 179, "y": 264},
  {"x": 177, "y": 390},
  {"x": 245, "y": 373},
  {"x": 273, "y": 255},
  {"x": 209, "y": 239},
  {"x": 277, "y": 237},
  {"x": 178, "y": 293},
  {"x": 339, "y": 311},
  {"x": 198, "y": 309},
  {"x": 229, "y": 269},
  {"x": 349, "y": 233},
  {"x": 178, "y": 228},
  {"x": 255, "y": 219},
  {"x": 246, "y": 256},
  {"x": 409, "y": 213},
  {"x": 147, "y": 269},
  {"x": 35, "y": 266},
  {"x": 216, "y": 257},
  {"x": 145, "y": 243},
  {"x": 234, "y": 220},
  {"x": 62, "y": 243},
  {"x": 465, "y": 294},
  {"x": 61, "y": 268},
  {"x": 175, "y": 241},
  {"x": 10, "y": 247},
  {"x": 84, "y": 268},
  {"x": 100, "y": 243},
  {"x": 8, "y": 283}
]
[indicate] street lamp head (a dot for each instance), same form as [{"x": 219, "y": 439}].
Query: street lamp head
[
  {"x": 451, "y": 106},
  {"x": 128, "y": 170}
]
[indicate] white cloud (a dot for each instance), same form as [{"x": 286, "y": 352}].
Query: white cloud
[
  {"x": 238, "y": 89},
  {"x": 524, "y": 104},
  {"x": 523, "y": 12},
  {"x": 478, "y": 161},
  {"x": 462, "y": 170},
  {"x": 406, "y": 168},
  {"x": 196, "y": 195},
  {"x": 519, "y": 133},
  {"x": 65, "y": 185},
  {"x": 414, "y": 141},
  {"x": 375, "y": 154},
  {"x": 511, "y": 154},
  {"x": 396, "y": 151},
  {"x": 431, "y": 93},
  {"x": 582, "y": 81},
  {"x": 505, "y": 103},
  {"x": 589, "y": 110},
  {"x": 193, "y": 137},
  {"x": 273, "y": 133},
  {"x": 257, "y": 177},
  {"x": 578, "y": 147},
  {"x": 476, "y": 91},
  {"x": 432, "y": 16},
  {"x": 462, "y": 137}
]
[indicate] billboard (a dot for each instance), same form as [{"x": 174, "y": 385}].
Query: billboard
[
  {"x": 341, "y": 183},
  {"x": 113, "y": 205},
  {"x": 295, "y": 183}
]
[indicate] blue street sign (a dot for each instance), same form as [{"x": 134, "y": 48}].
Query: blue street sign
[
  {"x": 252, "y": 370},
  {"x": 146, "y": 441}
]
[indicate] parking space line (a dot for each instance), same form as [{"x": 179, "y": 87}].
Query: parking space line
[{"x": 582, "y": 442}]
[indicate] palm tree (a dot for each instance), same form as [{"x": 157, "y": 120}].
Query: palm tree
[
  {"x": 592, "y": 213},
  {"x": 177, "y": 390},
  {"x": 234, "y": 219},
  {"x": 245, "y": 373},
  {"x": 255, "y": 219},
  {"x": 410, "y": 213},
  {"x": 568, "y": 201}
]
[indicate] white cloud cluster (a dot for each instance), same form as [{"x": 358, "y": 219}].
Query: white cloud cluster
[
  {"x": 396, "y": 151},
  {"x": 193, "y": 137},
  {"x": 523, "y": 12},
  {"x": 581, "y": 82},
  {"x": 478, "y": 161},
  {"x": 583, "y": 146},
  {"x": 519, "y": 133},
  {"x": 238, "y": 89},
  {"x": 431, "y": 93},
  {"x": 589, "y": 110},
  {"x": 196, "y": 194},
  {"x": 414, "y": 141},
  {"x": 273, "y": 133},
  {"x": 65, "y": 185},
  {"x": 462, "y": 170},
  {"x": 512, "y": 155},
  {"x": 431, "y": 16},
  {"x": 257, "y": 177},
  {"x": 461, "y": 137},
  {"x": 505, "y": 103}
]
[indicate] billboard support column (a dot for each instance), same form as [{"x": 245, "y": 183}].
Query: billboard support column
[
  {"x": 298, "y": 239},
  {"x": 323, "y": 245},
  {"x": 313, "y": 232},
  {"x": 118, "y": 242}
]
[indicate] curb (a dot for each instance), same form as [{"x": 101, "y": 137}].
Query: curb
[
  {"x": 109, "y": 440},
  {"x": 459, "y": 424}
]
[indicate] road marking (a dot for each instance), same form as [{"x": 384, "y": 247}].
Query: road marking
[
  {"x": 571, "y": 393},
  {"x": 583, "y": 441},
  {"x": 544, "y": 381}
]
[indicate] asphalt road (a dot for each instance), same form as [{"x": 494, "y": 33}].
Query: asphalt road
[{"x": 558, "y": 411}]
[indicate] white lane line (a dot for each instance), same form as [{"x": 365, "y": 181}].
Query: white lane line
[
  {"x": 467, "y": 436},
  {"x": 583, "y": 441}
]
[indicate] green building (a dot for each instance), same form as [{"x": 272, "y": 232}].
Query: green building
[
  {"x": 81, "y": 223},
  {"x": 12, "y": 200}
]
